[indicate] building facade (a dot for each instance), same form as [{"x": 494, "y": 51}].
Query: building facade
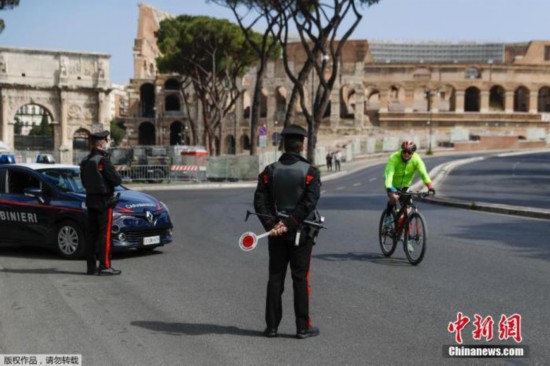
[
  {"x": 70, "y": 87},
  {"x": 430, "y": 88}
]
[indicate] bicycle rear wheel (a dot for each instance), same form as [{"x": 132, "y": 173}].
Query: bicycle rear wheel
[
  {"x": 386, "y": 236},
  {"x": 414, "y": 239}
]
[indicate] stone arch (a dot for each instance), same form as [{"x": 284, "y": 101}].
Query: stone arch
[
  {"x": 396, "y": 99},
  {"x": 497, "y": 98},
  {"x": 447, "y": 98},
  {"x": 281, "y": 96},
  {"x": 177, "y": 133},
  {"x": 33, "y": 127},
  {"x": 247, "y": 104},
  {"x": 245, "y": 142},
  {"x": 544, "y": 99},
  {"x": 172, "y": 84},
  {"x": 373, "y": 100},
  {"x": 81, "y": 140},
  {"x": 521, "y": 99},
  {"x": 146, "y": 134},
  {"x": 347, "y": 102},
  {"x": 263, "y": 103},
  {"x": 230, "y": 144},
  {"x": 420, "y": 101},
  {"x": 472, "y": 99},
  {"x": 147, "y": 100},
  {"x": 172, "y": 103}
]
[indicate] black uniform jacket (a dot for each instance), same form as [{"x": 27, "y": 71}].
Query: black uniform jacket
[
  {"x": 263, "y": 197},
  {"x": 111, "y": 179}
]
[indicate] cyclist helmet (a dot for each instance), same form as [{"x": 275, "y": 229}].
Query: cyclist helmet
[{"x": 407, "y": 146}]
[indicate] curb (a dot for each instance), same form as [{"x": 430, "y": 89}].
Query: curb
[{"x": 441, "y": 171}]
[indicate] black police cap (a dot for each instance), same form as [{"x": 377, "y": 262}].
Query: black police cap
[
  {"x": 294, "y": 130},
  {"x": 103, "y": 135}
]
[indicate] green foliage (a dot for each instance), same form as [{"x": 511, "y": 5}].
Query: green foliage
[
  {"x": 6, "y": 5},
  {"x": 194, "y": 44},
  {"x": 43, "y": 129},
  {"x": 118, "y": 130}
]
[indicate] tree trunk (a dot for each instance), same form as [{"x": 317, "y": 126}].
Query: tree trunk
[{"x": 256, "y": 106}]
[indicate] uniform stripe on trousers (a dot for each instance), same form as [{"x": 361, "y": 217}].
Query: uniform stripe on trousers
[{"x": 108, "y": 238}]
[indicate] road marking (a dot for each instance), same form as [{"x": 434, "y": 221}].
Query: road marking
[
  {"x": 340, "y": 188},
  {"x": 372, "y": 179},
  {"x": 357, "y": 184},
  {"x": 514, "y": 168},
  {"x": 324, "y": 191}
]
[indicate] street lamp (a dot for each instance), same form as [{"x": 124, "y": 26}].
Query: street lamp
[{"x": 429, "y": 122}]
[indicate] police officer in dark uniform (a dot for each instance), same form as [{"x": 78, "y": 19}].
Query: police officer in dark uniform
[
  {"x": 100, "y": 178},
  {"x": 292, "y": 186}
]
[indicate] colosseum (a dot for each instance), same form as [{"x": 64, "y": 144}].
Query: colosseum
[{"x": 444, "y": 93}]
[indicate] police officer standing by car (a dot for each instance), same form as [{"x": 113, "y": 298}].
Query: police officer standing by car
[
  {"x": 99, "y": 178},
  {"x": 291, "y": 186}
]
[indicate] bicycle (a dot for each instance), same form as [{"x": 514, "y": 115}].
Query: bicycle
[{"x": 407, "y": 224}]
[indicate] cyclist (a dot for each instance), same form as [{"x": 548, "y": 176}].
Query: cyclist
[{"x": 399, "y": 173}]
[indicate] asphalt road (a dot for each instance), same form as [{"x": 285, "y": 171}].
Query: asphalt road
[
  {"x": 200, "y": 300},
  {"x": 522, "y": 180}
]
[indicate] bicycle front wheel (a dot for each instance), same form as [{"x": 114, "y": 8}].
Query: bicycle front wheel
[
  {"x": 386, "y": 235},
  {"x": 414, "y": 242}
]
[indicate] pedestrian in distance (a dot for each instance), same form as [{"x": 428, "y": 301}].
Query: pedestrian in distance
[
  {"x": 291, "y": 186},
  {"x": 99, "y": 178},
  {"x": 337, "y": 160},
  {"x": 329, "y": 161}
]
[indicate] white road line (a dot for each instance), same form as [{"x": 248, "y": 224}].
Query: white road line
[
  {"x": 324, "y": 191},
  {"x": 340, "y": 188},
  {"x": 372, "y": 179},
  {"x": 357, "y": 184}
]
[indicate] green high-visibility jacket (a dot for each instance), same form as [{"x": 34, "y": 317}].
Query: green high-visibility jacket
[{"x": 399, "y": 174}]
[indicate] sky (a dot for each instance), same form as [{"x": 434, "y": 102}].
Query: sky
[{"x": 110, "y": 26}]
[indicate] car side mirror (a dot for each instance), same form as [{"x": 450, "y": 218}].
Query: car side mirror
[{"x": 36, "y": 193}]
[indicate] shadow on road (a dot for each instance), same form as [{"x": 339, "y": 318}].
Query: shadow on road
[
  {"x": 362, "y": 257},
  {"x": 42, "y": 271},
  {"x": 519, "y": 236},
  {"x": 195, "y": 329}
]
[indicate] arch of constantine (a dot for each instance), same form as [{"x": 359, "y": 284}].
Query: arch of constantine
[{"x": 71, "y": 87}]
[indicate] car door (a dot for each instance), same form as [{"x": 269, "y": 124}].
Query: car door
[
  {"x": 7, "y": 230},
  {"x": 28, "y": 218}
]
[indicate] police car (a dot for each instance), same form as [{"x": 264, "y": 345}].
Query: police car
[{"x": 44, "y": 205}]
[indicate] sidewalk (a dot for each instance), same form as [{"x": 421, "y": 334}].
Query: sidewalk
[
  {"x": 437, "y": 174},
  {"x": 360, "y": 162}
]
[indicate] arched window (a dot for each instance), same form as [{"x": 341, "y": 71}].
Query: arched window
[
  {"x": 497, "y": 98},
  {"x": 147, "y": 100},
  {"x": 544, "y": 100},
  {"x": 172, "y": 103},
  {"x": 147, "y": 134},
  {"x": 472, "y": 101},
  {"x": 521, "y": 99},
  {"x": 172, "y": 84}
]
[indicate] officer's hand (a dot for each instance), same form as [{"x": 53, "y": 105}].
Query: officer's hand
[
  {"x": 278, "y": 229},
  {"x": 391, "y": 190}
]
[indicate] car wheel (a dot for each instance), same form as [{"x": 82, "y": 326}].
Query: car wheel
[{"x": 69, "y": 240}]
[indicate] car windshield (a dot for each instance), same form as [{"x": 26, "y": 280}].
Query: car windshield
[{"x": 66, "y": 179}]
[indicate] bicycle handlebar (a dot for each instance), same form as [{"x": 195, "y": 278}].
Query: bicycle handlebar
[{"x": 415, "y": 194}]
